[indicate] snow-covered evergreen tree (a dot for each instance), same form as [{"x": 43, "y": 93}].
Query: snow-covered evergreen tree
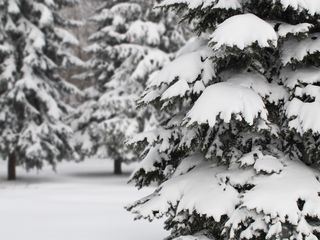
[
  {"x": 132, "y": 42},
  {"x": 33, "y": 48},
  {"x": 237, "y": 157}
]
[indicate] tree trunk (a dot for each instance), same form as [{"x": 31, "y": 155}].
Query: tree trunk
[
  {"x": 12, "y": 167},
  {"x": 117, "y": 167}
]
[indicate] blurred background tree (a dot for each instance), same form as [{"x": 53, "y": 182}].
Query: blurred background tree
[
  {"x": 131, "y": 41},
  {"x": 34, "y": 49}
]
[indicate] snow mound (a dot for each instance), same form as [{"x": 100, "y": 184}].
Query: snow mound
[
  {"x": 268, "y": 164},
  {"x": 257, "y": 82},
  {"x": 225, "y": 4},
  {"x": 295, "y": 50},
  {"x": 310, "y": 6},
  {"x": 305, "y": 116},
  {"x": 276, "y": 192},
  {"x": 260, "y": 162},
  {"x": 147, "y": 164},
  {"x": 242, "y": 31},
  {"x": 309, "y": 91},
  {"x": 174, "y": 81},
  {"x": 180, "y": 88},
  {"x": 276, "y": 200},
  {"x": 308, "y": 75},
  {"x": 197, "y": 64},
  {"x": 211, "y": 198},
  {"x": 188, "y": 164},
  {"x": 286, "y": 29},
  {"x": 193, "y": 45},
  {"x": 224, "y": 100},
  {"x": 277, "y": 195}
]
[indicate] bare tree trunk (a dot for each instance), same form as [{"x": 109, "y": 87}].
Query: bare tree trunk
[
  {"x": 117, "y": 167},
  {"x": 12, "y": 167}
]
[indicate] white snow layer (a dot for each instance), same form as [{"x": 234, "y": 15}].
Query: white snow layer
[
  {"x": 312, "y": 7},
  {"x": 293, "y": 78},
  {"x": 193, "y": 62},
  {"x": 192, "y": 4},
  {"x": 295, "y": 50},
  {"x": 147, "y": 163},
  {"x": 185, "y": 191},
  {"x": 285, "y": 29},
  {"x": 174, "y": 81},
  {"x": 257, "y": 82},
  {"x": 193, "y": 45},
  {"x": 283, "y": 191},
  {"x": 242, "y": 31},
  {"x": 306, "y": 116},
  {"x": 277, "y": 195},
  {"x": 82, "y": 201},
  {"x": 224, "y": 100}
]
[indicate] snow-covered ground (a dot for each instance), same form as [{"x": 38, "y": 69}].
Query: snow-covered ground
[{"x": 80, "y": 202}]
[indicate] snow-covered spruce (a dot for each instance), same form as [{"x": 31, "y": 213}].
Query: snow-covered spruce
[
  {"x": 33, "y": 48},
  {"x": 237, "y": 157},
  {"x": 132, "y": 42}
]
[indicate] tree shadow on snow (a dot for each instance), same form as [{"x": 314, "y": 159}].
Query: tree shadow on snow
[
  {"x": 27, "y": 180},
  {"x": 98, "y": 175}
]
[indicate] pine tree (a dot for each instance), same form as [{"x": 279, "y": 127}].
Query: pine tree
[
  {"x": 33, "y": 48},
  {"x": 238, "y": 155},
  {"x": 132, "y": 42}
]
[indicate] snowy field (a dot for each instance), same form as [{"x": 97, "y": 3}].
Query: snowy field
[{"x": 80, "y": 202}]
